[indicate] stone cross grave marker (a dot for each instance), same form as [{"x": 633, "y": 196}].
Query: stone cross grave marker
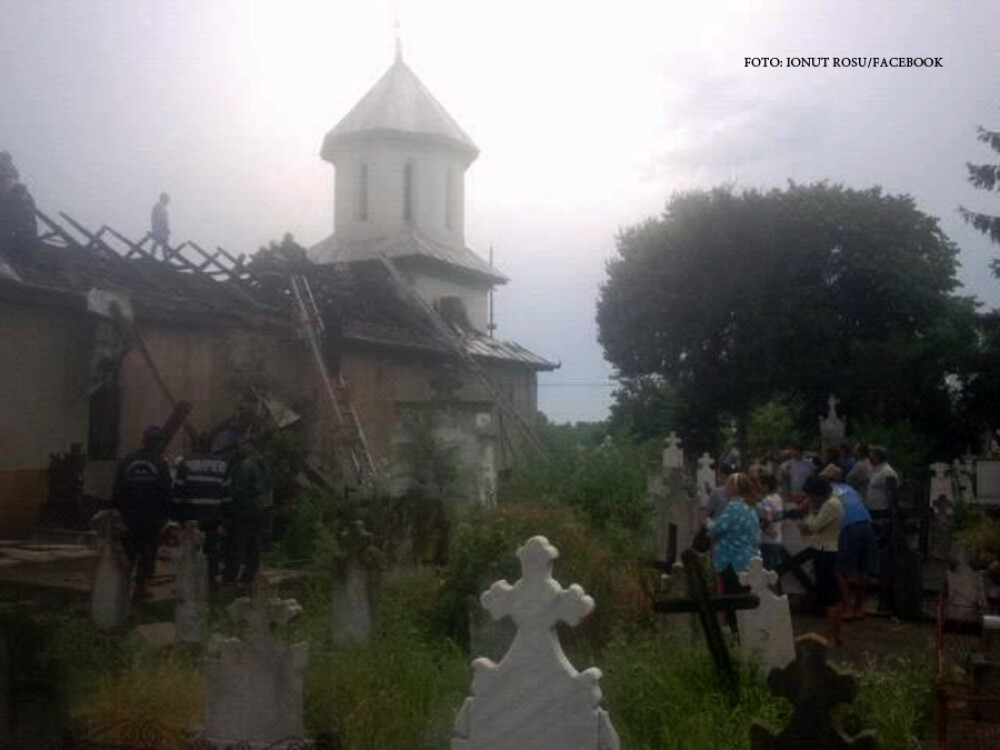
[
  {"x": 534, "y": 699},
  {"x": 705, "y": 475},
  {"x": 706, "y": 606},
  {"x": 941, "y": 483},
  {"x": 191, "y": 584},
  {"x": 813, "y": 688},
  {"x": 766, "y": 632},
  {"x": 254, "y": 685},
  {"x": 831, "y": 427},
  {"x": 351, "y": 621},
  {"x": 673, "y": 454},
  {"x": 109, "y": 597}
]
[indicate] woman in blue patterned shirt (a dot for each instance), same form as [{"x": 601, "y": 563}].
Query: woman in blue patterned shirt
[{"x": 735, "y": 536}]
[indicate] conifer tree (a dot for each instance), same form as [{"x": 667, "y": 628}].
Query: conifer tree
[{"x": 985, "y": 177}]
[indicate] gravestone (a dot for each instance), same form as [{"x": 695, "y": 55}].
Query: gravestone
[
  {"x": 985, "y": 668},
  {"x": 109, "y": 597},
  {"x": 942, "y": 485},
  {"x": 964, "y": 470},
  {"x": 705, "y": 476},
  {"x": 534, "y": 699},
  {"x": 191, "y": 583},
  {"x": 966, "y": 590},
  {"x": 677, "y": 512},
  {"x": 988, "y": 480},
  {"x": 488, "y": 637},
  {"x": 351, "y": 605},
  {"x": 766, "y": 632},
  {"x": 254, "y": 685},
  {"x": 673, "y": 454},
  {"x": 813, "y": 688},
  {"x": 831, "y": 427}
]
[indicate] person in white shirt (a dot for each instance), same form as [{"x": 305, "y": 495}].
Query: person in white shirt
[{"x": 878, "y": 497}]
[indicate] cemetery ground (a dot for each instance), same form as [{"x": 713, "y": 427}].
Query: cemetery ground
[{"x": 401, "y": 687}]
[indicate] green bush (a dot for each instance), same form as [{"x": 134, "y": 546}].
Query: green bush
[{"x": 483, "y": 550}]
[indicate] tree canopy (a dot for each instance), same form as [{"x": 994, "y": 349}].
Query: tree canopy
[
  {"x": 985, "y": 177},
  {"x": 737, "y": 298}
]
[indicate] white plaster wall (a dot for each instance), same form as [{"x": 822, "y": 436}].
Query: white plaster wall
[
  {"x": 44, "y": 405},
  {"x": 475, "y": 299},
  {"x": 386, "y": 158}
]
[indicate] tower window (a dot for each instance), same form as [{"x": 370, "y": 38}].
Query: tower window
[
  {"x": 363, "y": 193},
  {"x": 449, "y": 178},
  {"x": 408, "y": 193}
]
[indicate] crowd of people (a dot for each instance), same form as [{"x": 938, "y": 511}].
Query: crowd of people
[
  {"x": 833, "y": 499},
  {"x": 228, "y": 498}
]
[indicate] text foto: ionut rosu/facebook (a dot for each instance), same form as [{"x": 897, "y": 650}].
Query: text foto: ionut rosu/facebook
[{"x": 842, "y": 62}]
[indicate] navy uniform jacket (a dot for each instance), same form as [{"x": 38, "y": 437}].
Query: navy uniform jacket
[{"x": 142, "y": 489}]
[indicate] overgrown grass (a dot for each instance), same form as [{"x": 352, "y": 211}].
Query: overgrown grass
[
  {"x": 663, "y": 693},
  {"x": 895, "y": 699}
]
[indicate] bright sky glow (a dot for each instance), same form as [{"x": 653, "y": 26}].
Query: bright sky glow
[{"x": 588, "y": 115}]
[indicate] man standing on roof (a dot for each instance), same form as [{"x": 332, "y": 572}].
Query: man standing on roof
[
  {"x": 18, "y": 226},
  {"x": 160, "y": 225},
  {"x": 201, "y": 493},
  {"x": 142, "y": 495}
]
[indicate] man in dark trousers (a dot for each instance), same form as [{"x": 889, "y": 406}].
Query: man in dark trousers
[
  {"x": 251, "y": 494},
  {"x": 201, "y": 493},
  {"x": 159, "y": 225},
  {"x": 142, "y": 495}
]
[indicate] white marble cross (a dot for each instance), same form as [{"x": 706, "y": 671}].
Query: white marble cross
[
  {"x": 673, "y": 454},
  {"x": 832, "y": 428},
  {"x": 534, "y": 699},
  {"x": 109, "y": 596},
  {"x": 766, "y": 631},
  {"x": 191, "y": 584},
  {"x": 255, "y": 687},
  {"x": 261, "y": 614},
  {"x": 705, "y": 476},
  {"x": 942, "y": 485}
]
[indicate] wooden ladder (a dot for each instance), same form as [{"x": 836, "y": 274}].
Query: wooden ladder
[
  {"x": 350, "y": 434},
  {"x": 457, "y": 346}
]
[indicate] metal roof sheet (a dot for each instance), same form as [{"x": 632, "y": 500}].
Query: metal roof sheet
[
  {"x": 411, "y": 243},
  {"x": 399, "y": 103}
]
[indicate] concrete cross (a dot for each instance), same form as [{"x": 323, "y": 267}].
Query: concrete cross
[
  {"x": 108, "y": 525},
  {"x": 758, "y": 578},
  {"x": 537, "y": 602},
  {"x": 261, "y": 614},
  {"x": 813, "y": 688},
  {"x": 673, "y": 454}
]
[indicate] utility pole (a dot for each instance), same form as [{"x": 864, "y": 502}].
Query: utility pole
[{"x": 491, "y": 326}]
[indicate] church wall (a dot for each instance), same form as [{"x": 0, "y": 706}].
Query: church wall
[
  {"x": 44, "y": 373},
  {"x": 475, "y": 300},
  {"x": 386, "y": 160}
]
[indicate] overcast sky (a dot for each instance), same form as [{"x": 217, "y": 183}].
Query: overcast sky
[{"x": 588, "y": 116}]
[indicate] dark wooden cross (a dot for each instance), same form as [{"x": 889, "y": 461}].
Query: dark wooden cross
[
  {"x": 813, "y": 688},
  {"x": 701, "y": 601}
]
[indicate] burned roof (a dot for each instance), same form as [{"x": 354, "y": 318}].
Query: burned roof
[{"x": 190, "y": 283}]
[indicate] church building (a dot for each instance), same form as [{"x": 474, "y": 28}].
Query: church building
[{"x": 399, "y": 161}]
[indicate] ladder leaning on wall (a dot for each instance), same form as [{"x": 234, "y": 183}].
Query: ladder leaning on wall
[
  {"x": 350, "y": 435},
  {"x": 458, "y": 348}
]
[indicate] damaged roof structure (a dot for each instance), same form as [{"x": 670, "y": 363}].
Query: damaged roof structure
[{"x": 384, "y": 324}]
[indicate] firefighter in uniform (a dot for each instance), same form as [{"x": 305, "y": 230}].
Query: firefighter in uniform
[
  {"x": 142, "y": 495},
  {"x": 201, "y": 493}
]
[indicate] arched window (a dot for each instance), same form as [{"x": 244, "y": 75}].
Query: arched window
[
  {"x": 449, "y": 178},
  {"x": 408, "y": 192},
  {"x": 363, "y": 193}
]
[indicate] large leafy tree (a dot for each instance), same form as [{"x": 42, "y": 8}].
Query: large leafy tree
[
  {"x": 986, "y": 177},
  {"x": 736, "y": 298}
]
